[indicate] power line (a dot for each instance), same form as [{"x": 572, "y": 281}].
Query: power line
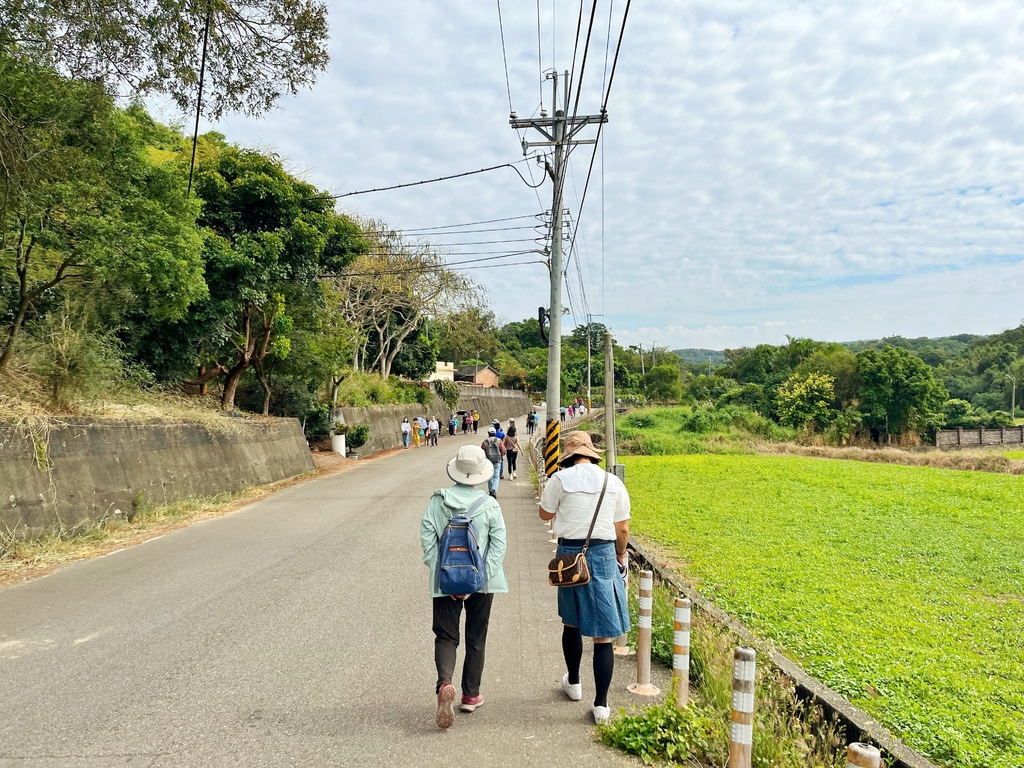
[
  {"x": 425, "y": 181},
  {"x": 583, "y": 64},
  {"x": 468, "y": 224},
  {"x": 504, "y": 57},
  {"x": 604, "y": 108}
]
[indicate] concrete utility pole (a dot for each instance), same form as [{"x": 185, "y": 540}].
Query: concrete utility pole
[
  {"x": 559, "y": 132},
  {"x": 610, "y": 455}
]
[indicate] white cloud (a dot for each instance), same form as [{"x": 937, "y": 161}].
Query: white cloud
[{"x": 810, "y": 168}]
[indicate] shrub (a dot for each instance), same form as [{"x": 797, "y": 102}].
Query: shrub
[{"x": 357, "y": 436}]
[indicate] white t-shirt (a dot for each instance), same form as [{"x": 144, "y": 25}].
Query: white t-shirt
[
  {"x": 406, "y": 426},
  {"x": 572, "y": 494}
]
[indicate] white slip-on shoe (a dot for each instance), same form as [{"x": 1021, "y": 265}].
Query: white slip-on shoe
[
  {"x": 574, "y": 692},
  {"x": 601, "y": 715}
]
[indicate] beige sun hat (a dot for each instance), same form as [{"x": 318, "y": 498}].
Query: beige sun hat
[
  {"x": 470, "y": 466},
  {"x": 578, "y": 444}
]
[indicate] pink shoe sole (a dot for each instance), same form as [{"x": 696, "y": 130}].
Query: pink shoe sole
[{"x": 446, "y": 706}]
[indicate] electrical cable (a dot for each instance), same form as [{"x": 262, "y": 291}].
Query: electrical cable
[
  {"x": 583, "y": 64},
  {"x": 504, "y": 57},
  {"x": 419, "y": 183},
  {"x": 540, "y": 65},
  {"x": 604, "y": 108}
]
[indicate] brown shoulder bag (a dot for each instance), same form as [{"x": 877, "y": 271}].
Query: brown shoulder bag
[{"x": 571, "y": 570}]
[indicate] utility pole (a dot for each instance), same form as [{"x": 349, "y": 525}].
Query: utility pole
[
  {"x": 559, "y": 132},
  {"x": 589, "y": 404}
]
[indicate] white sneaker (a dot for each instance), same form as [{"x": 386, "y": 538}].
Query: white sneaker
[
  {"x": 601, "y": 715},
  {"x": 574, "y": 692}
]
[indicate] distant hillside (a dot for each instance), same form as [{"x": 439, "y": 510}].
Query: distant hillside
[
  {"x": 946, "y": 346},
  {"x": 716, "y": 356}
]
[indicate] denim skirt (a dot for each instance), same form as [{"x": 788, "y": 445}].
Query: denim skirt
[{"x": 599, "y": 607}]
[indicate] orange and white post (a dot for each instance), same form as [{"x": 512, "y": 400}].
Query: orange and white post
[
  {"x": 859, "y": 755},
  {"x": 643, "y": 686},
  {"x": 681, "y": 652},
  {"x": 741, "y": 733}
]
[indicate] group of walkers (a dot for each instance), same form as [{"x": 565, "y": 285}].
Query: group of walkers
[
  {"x": 576, "y": 408},
  {"x": 423, "y": 431},
  {"x": 420, "y": 431},
  {"x": 590, "y": 510}
]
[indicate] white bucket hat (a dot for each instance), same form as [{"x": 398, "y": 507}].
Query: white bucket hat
[{"x": 470, "y": 466}]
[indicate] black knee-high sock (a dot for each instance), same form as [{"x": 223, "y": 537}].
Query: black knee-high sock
[
  {"x": 604, "y": 664},
  {"x": 572, "y": 650}
]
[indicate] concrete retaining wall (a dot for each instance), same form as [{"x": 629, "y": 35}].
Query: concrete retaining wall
[
  {"x": 94, "y": 468},
  {"x": 384, "y": 420}
]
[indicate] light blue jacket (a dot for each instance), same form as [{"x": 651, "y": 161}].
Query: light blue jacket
[{"x": 490, "y": 531}]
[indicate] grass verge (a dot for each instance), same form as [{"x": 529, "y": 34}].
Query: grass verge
[
  {"x": 23, "y": 558},
  {"x": 787, "y": 733},
  {"x": 898, "y": 586}
]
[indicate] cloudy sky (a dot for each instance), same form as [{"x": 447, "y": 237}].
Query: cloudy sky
[{"x": 834, "y": 170}]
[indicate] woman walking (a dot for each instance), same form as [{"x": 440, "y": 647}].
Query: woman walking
[
  {"x": 406, "y": 432},
  {"x": 578, "y": 496},
  {"x": 512, "y": 448},
  {"x": 469, "y": 468}
]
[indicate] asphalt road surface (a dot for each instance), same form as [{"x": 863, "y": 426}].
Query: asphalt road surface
[{"x": 295, "y": 631}]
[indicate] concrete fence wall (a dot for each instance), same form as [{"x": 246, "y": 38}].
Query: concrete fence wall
[
  {"x": 385, "y": 421},
  {"x": 978, "y": 438},
  {"x": 85, "y": 471}
]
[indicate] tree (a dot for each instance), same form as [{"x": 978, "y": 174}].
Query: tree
[
  {"x": 256, "y": 50},
  {"x": 662, "y": 383},
  {"x": 268, "y": 237},
  {"x": 467, "y": 332},
  {"x": 899, "y": 393},
  {"x": 82, "y": 200},
  {"x": 389, "y": 290},
  {"x": 805, "y": 399}
]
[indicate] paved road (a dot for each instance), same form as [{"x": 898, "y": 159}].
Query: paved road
[{"x": 293, "y": 632}]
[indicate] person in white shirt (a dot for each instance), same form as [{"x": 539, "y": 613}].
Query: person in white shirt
[
  {"x": 597, "y": 609},
  {"x": 434, "y": 426},
  {"x": 406, "y": 432}
]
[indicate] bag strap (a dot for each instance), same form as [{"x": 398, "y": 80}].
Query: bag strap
[{"x": 604, "y": 487}]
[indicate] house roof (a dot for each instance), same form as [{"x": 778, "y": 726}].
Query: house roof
[{"x": 472, "y": 370}]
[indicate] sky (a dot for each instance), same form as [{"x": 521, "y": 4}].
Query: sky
[{"x": 833, "y": 170}]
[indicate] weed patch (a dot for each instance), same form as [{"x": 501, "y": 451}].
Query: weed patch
[{"x": 787, "y": 733}]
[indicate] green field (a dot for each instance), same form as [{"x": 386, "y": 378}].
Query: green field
[{"x": 900, "y": 587}]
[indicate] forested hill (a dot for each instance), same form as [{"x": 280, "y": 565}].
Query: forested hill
[{"x": 693, "y": 355}]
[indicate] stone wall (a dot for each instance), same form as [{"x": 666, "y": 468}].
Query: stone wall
[
  {"x": 384, "y": 420},
  {"x": 85, "y": 471},
  {"x": 979, "y": 438}
]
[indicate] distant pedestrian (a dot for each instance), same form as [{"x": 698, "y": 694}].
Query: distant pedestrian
[
  {"x": 597, "y": 609},
  {"x": 453, "y": 422},
  {"x": 476, "y": 422},
  {"x": 561, "y": 413},
  {"x": 512, "y": 448},
  {"x": 434, "y": 427},
  {"x": 494, "y": 449},
  {"x": 406, "y": 432},
  {"x": 469, "y": 468},
  {"x": 466, "y": 419}
]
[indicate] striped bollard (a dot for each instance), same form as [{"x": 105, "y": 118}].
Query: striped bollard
[
  {"x": 859, "y": 755},
  {"x": 643, "y": 686},
  {"x": 741, "y": 734},
  {"x": 622, "y": 641},
  {"x": 681, "y": 652}
]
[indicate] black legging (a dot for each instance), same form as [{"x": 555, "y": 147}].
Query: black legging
[{"x": 511, "y": 456}]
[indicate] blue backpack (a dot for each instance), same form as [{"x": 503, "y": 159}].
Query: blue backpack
[{"x": 461, "y": 568}]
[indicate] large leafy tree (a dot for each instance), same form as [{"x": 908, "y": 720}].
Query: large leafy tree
[
  {"x": 268, "y": 239},
  {"x": 257, "y": 50},
  {"x": 898, "y": 391},
  {"x": 85, "y": 200}
]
